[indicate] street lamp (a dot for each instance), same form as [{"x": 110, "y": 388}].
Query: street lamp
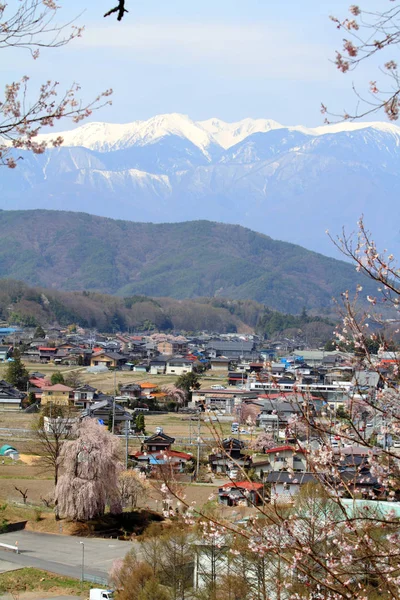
[{"x": 83, "y": 562}]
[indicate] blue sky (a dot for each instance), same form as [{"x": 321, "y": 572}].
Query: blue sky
[{"x": 223, "y": 58}]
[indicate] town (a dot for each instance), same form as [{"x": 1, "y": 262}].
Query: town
[{"x": 226, "y": 423}]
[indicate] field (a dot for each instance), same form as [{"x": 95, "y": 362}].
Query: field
[
  {"x": 31, "y": 474},
  {"x": 107, "y": 382}
]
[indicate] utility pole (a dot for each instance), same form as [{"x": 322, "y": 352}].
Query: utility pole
[
  {"x": 198, "y": 446},
  {"x": 126, "y": 445},
  {"x": 115, "y": 391},
  {"x": 83, "y": 563}
]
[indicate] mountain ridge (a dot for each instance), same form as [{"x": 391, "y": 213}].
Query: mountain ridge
[
  {"x": 78, "y": 251},
  {"x": 292, "y": 183}
]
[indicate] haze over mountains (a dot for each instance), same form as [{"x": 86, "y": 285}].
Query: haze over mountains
[
  {"x": 292, "y": 183},
  {"x": 77, "y": 251}
]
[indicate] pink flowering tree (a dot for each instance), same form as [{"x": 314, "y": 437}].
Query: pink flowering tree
[
  {"x": 263, "y": 442},
  {"x": 32, "y": 25},
  {"x": 367, "y": 33},
  {"x": 90, "y": 466}
]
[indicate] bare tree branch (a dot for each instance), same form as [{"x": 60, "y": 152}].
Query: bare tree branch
[{"x": 120, "y": 9}]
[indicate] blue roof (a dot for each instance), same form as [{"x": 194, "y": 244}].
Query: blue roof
[{"x": 154, "y": 461}]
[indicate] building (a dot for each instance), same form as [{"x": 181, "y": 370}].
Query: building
[
  {"x": 10, "y": 397},
  {"x": 284, "y": 458},
  {"x": 179, "y": 366},
  {"x": 4, "y": 353},
  {"x": 285, "y": 486},
  {"x": 84, "y": 396},
  {"x": 56, "y": 394},
  {"x": 156, "y": 453},
  {"x": 238, "y": 349},
  {"x": 229, "y": 457},
  {"x": 107, "y": 359},
  {"x": 241, "y": 492},
  {"x": 173, "y": 346},
  {"x": 105, "y": 409}
]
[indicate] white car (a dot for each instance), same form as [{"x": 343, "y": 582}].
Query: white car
[
  {"x": 396, "y": 444},
  {"x": 217, "y": 387}
]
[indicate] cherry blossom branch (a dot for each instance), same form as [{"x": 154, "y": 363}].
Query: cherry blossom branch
[{"x": 368, "y": 33}]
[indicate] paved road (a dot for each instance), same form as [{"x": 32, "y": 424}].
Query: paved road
[
  {"x": 6, "y": 566},
  {"x": 62, "y": 554}
]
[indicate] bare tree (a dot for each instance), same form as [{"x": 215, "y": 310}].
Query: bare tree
[
  {"x": 51, "y": 431},
  {"x": 90, "y": 466},
  {"x": 31, "y": 25},
  {"x": 133, "y": 488},
  {"x": 24, "y": 493}
]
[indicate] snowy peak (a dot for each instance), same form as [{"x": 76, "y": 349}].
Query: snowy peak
[
  {"x": 205, "y": 135},
  {"x": 106, "y": 137},
  {"x": 230, "y": 134}
]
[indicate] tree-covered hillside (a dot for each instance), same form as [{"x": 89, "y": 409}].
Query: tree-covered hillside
[
  {"x": 77, "y": 251},
  {"x": 23, "y": 305}
]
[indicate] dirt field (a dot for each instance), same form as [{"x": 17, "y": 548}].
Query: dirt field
[{"x": 107, "y": 382}]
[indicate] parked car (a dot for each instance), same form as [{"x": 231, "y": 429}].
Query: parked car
[
  {"x": 98, "y": 594},
  {"x": 218, "y": 387},
  {"x": 396, "y": 444}
]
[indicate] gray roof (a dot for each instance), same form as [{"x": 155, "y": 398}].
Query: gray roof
[
  {"x": 291, "y": 478},
  {"x": 226, "y": 346}
]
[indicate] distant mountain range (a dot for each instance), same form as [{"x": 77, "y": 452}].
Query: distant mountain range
[
  {"x": 292, "y": 183},
  {"x": 78, "y": 251}
]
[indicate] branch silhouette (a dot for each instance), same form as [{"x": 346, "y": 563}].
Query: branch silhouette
[{"x": 120, "y": 9}]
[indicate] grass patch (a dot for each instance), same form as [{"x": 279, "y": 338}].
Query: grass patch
[{"x": 29, "y": 579}]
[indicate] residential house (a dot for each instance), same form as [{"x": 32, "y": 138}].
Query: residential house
[
  {"x": 284, "y": 486},
  {"x": 56, "y": 394},
  {"x": 241, "y": 492},
  {"x": 141, "y": 368},
  {"x": 156, "y": 453},
  {"x": 229, "y": 457},
  {"x": 84, "y": 396},
  {"x": 158, "y": 365},
  {"x": 131, "y": 390},
  {"x": 46, "y": 353},
  {"x": 4, "y": 353},
  {"x": 179, "y": 366},
  {"x": 105, "y": 409},
  {"x": 221, "y": 363},
  {"x": 10, "y": 397},
  {"x": 59, "y": 425},
  {"x": 107, "y": 359},
  {"x": 148, "y": 388},
  {"x": 284, "y": 458},
  {"x": 157, "y": 442}
]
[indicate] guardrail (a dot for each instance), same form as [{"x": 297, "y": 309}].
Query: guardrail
[{"x": 10, "y": 547}]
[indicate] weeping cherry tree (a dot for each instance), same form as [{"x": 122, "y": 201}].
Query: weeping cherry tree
[{"x": 90, "y": 466}]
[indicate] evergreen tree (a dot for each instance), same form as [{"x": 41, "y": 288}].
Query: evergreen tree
[
  {"x": 39, "y": 332},
  {"x": 140, "y": 423},
  {"x": 16, "y": 372},
  {"x": 57, "y": 377},
  {"x": 188, "y": 382}
]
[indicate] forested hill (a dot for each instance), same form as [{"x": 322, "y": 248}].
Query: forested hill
[
  {"x": 77, "y": 251},
  {"x": 23, "y": 305}
]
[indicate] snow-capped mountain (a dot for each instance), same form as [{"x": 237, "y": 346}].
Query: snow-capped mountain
[{"x": 290, "y": 182}]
